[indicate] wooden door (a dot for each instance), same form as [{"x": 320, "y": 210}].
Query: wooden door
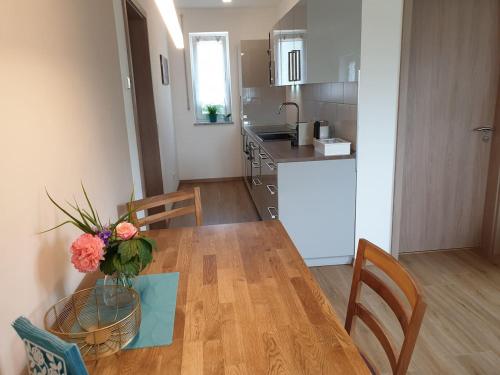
[
  {"x": 448, "y": 88},
  {"x": 144, "y": 103}
]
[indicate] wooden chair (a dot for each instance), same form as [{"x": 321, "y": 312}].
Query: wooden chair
[
  {"x": 410, "y": 323},
  {"x": 162, "y": 200}
]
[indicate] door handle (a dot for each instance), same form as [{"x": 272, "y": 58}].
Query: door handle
[
  {"x": 271, "y": 165},
  {"x": 274, "y": 215},
  {"x": 256, "y": 181},
  {"x": 272, "y": 189},
  {"x": 486, "y": 131}
]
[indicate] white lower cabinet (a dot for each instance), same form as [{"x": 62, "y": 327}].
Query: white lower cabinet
[{"x": 316, "y": 203}]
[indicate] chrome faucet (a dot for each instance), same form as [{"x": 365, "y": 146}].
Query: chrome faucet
[
  {"x": 285, "y": 104},
  {"x": 295, "y": 141}
]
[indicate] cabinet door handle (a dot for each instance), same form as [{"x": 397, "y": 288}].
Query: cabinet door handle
[
  {"x": 290, "y": 66},
  {"x": 272, "y": 189},
  {"x": 273, "y": 215},
  {"x": 255, "y": 164},
  {"x": 271, "y": 165},
  {"x": 256, "y": 181},
  {"x": 298, "y": 71}
]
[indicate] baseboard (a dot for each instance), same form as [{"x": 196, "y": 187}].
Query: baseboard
[
  {"x": 220, "y": 179},
  {"x": 330, "y": 261},
  {"x": 437, "y": 250}
]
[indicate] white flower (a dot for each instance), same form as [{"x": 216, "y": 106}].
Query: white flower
[{"x": 37, "y": 356}]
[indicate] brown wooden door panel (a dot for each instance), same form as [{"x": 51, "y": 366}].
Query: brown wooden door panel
[{"x": 452, "y": 77}]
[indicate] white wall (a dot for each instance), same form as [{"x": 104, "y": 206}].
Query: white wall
[
  {"x": 212, "y": 151},
  {"x": 62, "y": 121},
  {"x": 283, "y": 7},
  {"x": 377, "y": 118}
]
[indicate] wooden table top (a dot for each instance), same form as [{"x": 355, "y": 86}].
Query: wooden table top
[{"x": 246, "y": 304}]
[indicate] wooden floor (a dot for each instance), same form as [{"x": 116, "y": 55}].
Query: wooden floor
[
  {"x": 461, "y": 329},
  {"x": 223, "y": 203}
]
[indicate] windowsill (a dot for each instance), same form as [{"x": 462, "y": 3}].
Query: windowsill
[{"x": 199, "y": 123}]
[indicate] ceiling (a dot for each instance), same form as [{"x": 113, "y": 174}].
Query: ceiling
[{"x": 220, "y": 4}]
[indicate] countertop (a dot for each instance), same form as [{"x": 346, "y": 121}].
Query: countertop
[
  {"x": 246, "y": 303},
  {"x": 283, "y": 152}
]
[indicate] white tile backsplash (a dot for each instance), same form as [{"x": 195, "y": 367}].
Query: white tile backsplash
[{"x": 333, "y": 102}]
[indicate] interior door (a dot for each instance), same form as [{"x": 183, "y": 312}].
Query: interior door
[{"x": 450, "y": 82}]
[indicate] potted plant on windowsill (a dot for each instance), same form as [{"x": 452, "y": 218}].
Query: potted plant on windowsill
[{"x": 212, "y": 113}]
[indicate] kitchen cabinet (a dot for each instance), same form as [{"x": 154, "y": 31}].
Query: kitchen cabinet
[
  {"x": 314, "y": 199},
  {"x": 317, "y": 41},
  {"x": 254, "y": 62}
]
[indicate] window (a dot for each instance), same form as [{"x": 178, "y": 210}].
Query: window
[{"x": 211, "y": 76}]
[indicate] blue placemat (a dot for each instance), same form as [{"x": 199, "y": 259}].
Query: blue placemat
[{"x": 158, "y": 300}]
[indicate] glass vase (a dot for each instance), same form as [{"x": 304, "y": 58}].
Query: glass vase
[{"x": 111, "y": 297}]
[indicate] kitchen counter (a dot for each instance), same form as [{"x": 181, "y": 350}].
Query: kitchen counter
[{"x": 283, "y": 152}]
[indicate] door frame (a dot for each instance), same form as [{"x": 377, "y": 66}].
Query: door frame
[
  {"x": 490, "y": 239},
  {"x": 150, "y": 157},
  {"x": 401, "y": 126}
]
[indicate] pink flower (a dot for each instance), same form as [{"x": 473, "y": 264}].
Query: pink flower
[
  {"x": 126, "y": 231},
  {"x": 88, "y": 251}
]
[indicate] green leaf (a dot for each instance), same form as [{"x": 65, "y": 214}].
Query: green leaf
[
  {"x": 151, "y": 242},
  {"x": 107, "y": 266},
  {"x": 130, "y": 268},
  {"x": 76, "y": 222},
  {"x": 145, "y": 257},
  {"x": 128, "y": 249},
  {"x": 88, "y": 202},
  {"x": 82, "y": 215},
  {"x": 57, "y": 226}
]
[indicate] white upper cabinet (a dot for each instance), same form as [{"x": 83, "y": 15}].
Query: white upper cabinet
[{"x": 317, "y": 41}]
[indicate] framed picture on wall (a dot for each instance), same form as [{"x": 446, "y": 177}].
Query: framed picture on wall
[{"x": 164, "y": 70}]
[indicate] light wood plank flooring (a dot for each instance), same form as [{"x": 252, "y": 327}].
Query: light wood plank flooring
[{"x": 461, "y": 330}]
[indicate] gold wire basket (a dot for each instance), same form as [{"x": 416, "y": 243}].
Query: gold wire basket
[{"x": 100, "y": 320}]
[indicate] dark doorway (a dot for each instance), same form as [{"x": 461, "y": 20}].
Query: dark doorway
[{"x": 144, "y": 106}]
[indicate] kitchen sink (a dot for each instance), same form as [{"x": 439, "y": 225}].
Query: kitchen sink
[{"x": 267, "y": 137}]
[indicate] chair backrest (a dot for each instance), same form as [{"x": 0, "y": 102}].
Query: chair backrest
[
  {"x": 410, "y": 322},
  {"x": 162, "y": 200},
  {"x": 47, "y": 352}
]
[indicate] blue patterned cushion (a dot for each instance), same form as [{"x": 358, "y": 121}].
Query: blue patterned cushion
[{"x": 48, "y": 354}]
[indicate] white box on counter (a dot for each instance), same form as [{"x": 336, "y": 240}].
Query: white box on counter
[{"x": 332, "y": 146}]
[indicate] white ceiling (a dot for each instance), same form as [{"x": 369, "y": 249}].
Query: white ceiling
[{"x": 220, "y": 4}]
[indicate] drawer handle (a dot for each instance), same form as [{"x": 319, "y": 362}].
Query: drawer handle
[
  {"x": 270, "y": 210},
  {"x": 255, "y": 164},
  {"x": 263, "y": 156},
  {"x": 272, "y": 189},
  {"x": 271, "y": 165},
  {"x": 256, "y": 181}
]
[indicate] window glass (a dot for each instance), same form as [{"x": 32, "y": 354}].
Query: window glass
[{"x": 211, "y": 76}]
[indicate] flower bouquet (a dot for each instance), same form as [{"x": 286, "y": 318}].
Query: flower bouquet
[{"x": 117, "y": 249}]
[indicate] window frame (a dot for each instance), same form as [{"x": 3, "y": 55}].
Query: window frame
[{"x": 194, "y": 38}]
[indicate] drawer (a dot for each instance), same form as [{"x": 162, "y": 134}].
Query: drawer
[
  {"x": 268, "y": 167},
  {"x": 265, "y": 197}
]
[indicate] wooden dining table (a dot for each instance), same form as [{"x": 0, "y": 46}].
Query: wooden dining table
[{"x": 246, "y": 304}]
